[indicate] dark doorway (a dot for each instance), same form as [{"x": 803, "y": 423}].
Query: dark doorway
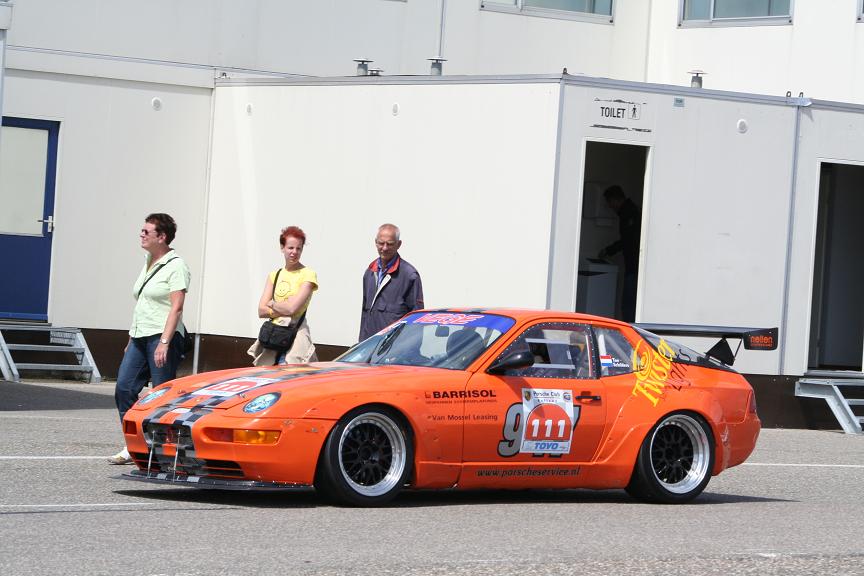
[
  {"x": 837, "y": 312},
  {"x": 609, "y": 243}
]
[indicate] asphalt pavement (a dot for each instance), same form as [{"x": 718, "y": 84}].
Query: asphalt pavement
[{"x": 796, "y": 507}]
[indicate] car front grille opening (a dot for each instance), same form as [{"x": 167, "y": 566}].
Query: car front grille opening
[{"x": 188, "y": 466}]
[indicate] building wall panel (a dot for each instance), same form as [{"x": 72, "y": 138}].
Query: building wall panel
[{"x": 466, "y": 171}]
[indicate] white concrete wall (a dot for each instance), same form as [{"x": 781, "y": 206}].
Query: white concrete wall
[
  {"x": 324, "y": 36},
  {"x": 819, "y": 53},
  {"x": 466, "y": 171},
  {"x": 118, "y": 160}
]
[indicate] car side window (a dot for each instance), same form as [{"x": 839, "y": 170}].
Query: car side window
[
  {"x": 616, "y": 352},
  {"x": 560, "y": 350}
]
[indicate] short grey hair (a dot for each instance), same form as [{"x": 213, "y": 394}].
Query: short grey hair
[{"x": 392, "y": 227}]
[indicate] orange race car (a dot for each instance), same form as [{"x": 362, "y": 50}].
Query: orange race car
[{"x": 463, "y": 399}]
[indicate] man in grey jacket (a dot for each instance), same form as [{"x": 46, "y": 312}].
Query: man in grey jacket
[{"x": 391, "y": 286}]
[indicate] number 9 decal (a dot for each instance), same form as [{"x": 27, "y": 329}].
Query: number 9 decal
[{"x": 512, "y": 441}]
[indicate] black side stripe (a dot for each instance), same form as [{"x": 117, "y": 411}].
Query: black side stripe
[
  {"x": 158, "y": 413},
  {"x": 215, "y": 401}
]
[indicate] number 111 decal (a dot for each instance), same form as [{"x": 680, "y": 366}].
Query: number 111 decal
[{"x": 542, "y": 423}]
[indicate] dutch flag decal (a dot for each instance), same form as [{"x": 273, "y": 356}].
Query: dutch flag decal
[{"x": 606, "y": 360}]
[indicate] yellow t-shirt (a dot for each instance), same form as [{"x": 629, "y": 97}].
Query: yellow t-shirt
[{"x": 289, "y": 284}]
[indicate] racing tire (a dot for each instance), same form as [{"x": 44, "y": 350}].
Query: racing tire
[
  {"x": 367, "y": 458},
  {"x": 675, "y": 461}
]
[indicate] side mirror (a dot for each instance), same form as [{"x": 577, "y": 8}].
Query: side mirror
[{"x": 513, "y": 361}]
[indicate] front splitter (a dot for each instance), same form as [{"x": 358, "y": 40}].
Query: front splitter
[{"x": 182, "y": 480}]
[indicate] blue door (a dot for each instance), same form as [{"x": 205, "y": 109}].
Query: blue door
[{"x": 28, "y": 167}]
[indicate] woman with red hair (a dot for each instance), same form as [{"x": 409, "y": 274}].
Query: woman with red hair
[{"x": 285, "y": 299}]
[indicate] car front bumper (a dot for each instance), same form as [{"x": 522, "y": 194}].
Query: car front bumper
[{"x": 188, "y": 452}]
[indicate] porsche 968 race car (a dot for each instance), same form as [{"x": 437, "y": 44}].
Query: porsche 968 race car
[{"x": 464, "y": 399}]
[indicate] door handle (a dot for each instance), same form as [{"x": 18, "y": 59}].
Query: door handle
[
  {"x": 49, "y": 221},
  {"x": 589, "y": 397}
]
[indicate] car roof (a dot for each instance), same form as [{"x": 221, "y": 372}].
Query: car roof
[{"x": 527, "y": 314}]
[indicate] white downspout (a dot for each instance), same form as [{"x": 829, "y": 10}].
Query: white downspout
[
  {"x": 437, "y": 66},
  {"x": 441, "y": 30},
  {"x": 5, "y": 23},
  {"x": 647, "y": 62}
]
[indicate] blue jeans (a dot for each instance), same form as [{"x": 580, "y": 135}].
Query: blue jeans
[{"x": 138, "y": 368}]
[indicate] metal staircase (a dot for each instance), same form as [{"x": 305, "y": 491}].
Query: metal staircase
[
  {"x": 832, "y": 391},
  {"x": 62, "y": 343}
]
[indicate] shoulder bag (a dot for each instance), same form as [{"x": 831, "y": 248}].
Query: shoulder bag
[{"x": 275, "y": 336}]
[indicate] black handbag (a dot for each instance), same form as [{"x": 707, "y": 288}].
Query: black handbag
[
  {"x": 188, "y": 342},
  {"x": 275, "y": 336}
]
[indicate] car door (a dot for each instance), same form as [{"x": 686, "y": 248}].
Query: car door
[{"x": 534, "y": 426}]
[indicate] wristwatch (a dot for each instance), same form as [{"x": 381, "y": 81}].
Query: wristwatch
[{"x": 163, "y": 340}]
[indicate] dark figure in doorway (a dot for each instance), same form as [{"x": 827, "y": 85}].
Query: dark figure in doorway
[{"x": 629, "y": 230}]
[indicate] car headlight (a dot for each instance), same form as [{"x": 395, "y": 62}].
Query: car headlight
[
  {"x": 152, "y": 396},
  {"x": 261, "y": 403}
]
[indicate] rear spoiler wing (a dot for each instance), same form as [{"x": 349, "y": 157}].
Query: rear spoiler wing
[{"x": 752, "y": 338}]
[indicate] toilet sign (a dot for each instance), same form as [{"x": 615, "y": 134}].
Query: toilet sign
[{"x": 619, "y": 114}]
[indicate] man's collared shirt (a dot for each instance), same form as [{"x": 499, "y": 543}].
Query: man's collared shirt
[{"x": 383, "y": 269}]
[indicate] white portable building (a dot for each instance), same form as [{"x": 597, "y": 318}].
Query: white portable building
[{"x": 749, "y": 203}]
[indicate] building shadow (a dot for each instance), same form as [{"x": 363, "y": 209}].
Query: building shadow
[{"x": 17, "y": 396}]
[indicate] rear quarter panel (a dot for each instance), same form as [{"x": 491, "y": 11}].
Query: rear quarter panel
[{"x": 721, "y": 398}]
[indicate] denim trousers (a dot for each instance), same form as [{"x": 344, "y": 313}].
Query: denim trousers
[{"x": 138, "y": 368}]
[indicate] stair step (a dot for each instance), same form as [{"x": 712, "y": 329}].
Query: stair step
[
  {"x": 46, "y": 348},
  {"x": 31, "y": 328},
  {"x": 63, "y": 367},
  {"x": 854, "y": 402}
]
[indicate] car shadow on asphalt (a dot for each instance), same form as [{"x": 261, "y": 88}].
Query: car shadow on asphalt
[
  {"x": 545, "y": 496},
  {"x": 300, "y": 498},
  {"x": 708, "y": 498},
  {"x": 308, "y": 498},
  {"x": 17, "y": 396}
]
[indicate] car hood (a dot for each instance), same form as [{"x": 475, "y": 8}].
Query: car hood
[{"x": 228, "y": 388}]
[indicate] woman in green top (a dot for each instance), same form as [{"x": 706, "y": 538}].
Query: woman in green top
[{"x": 155, "y": 346}]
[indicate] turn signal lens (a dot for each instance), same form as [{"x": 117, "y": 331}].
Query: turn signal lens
[
  {"x": 129, "y": 427},
  {"x": 752, "y": 407},
  {"x": 256, "y": 436}
]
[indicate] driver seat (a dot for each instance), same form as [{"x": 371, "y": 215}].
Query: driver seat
[{"x": 463, "y": 345}]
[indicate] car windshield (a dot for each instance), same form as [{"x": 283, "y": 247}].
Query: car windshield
[{"x": 438, "y": 339}]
